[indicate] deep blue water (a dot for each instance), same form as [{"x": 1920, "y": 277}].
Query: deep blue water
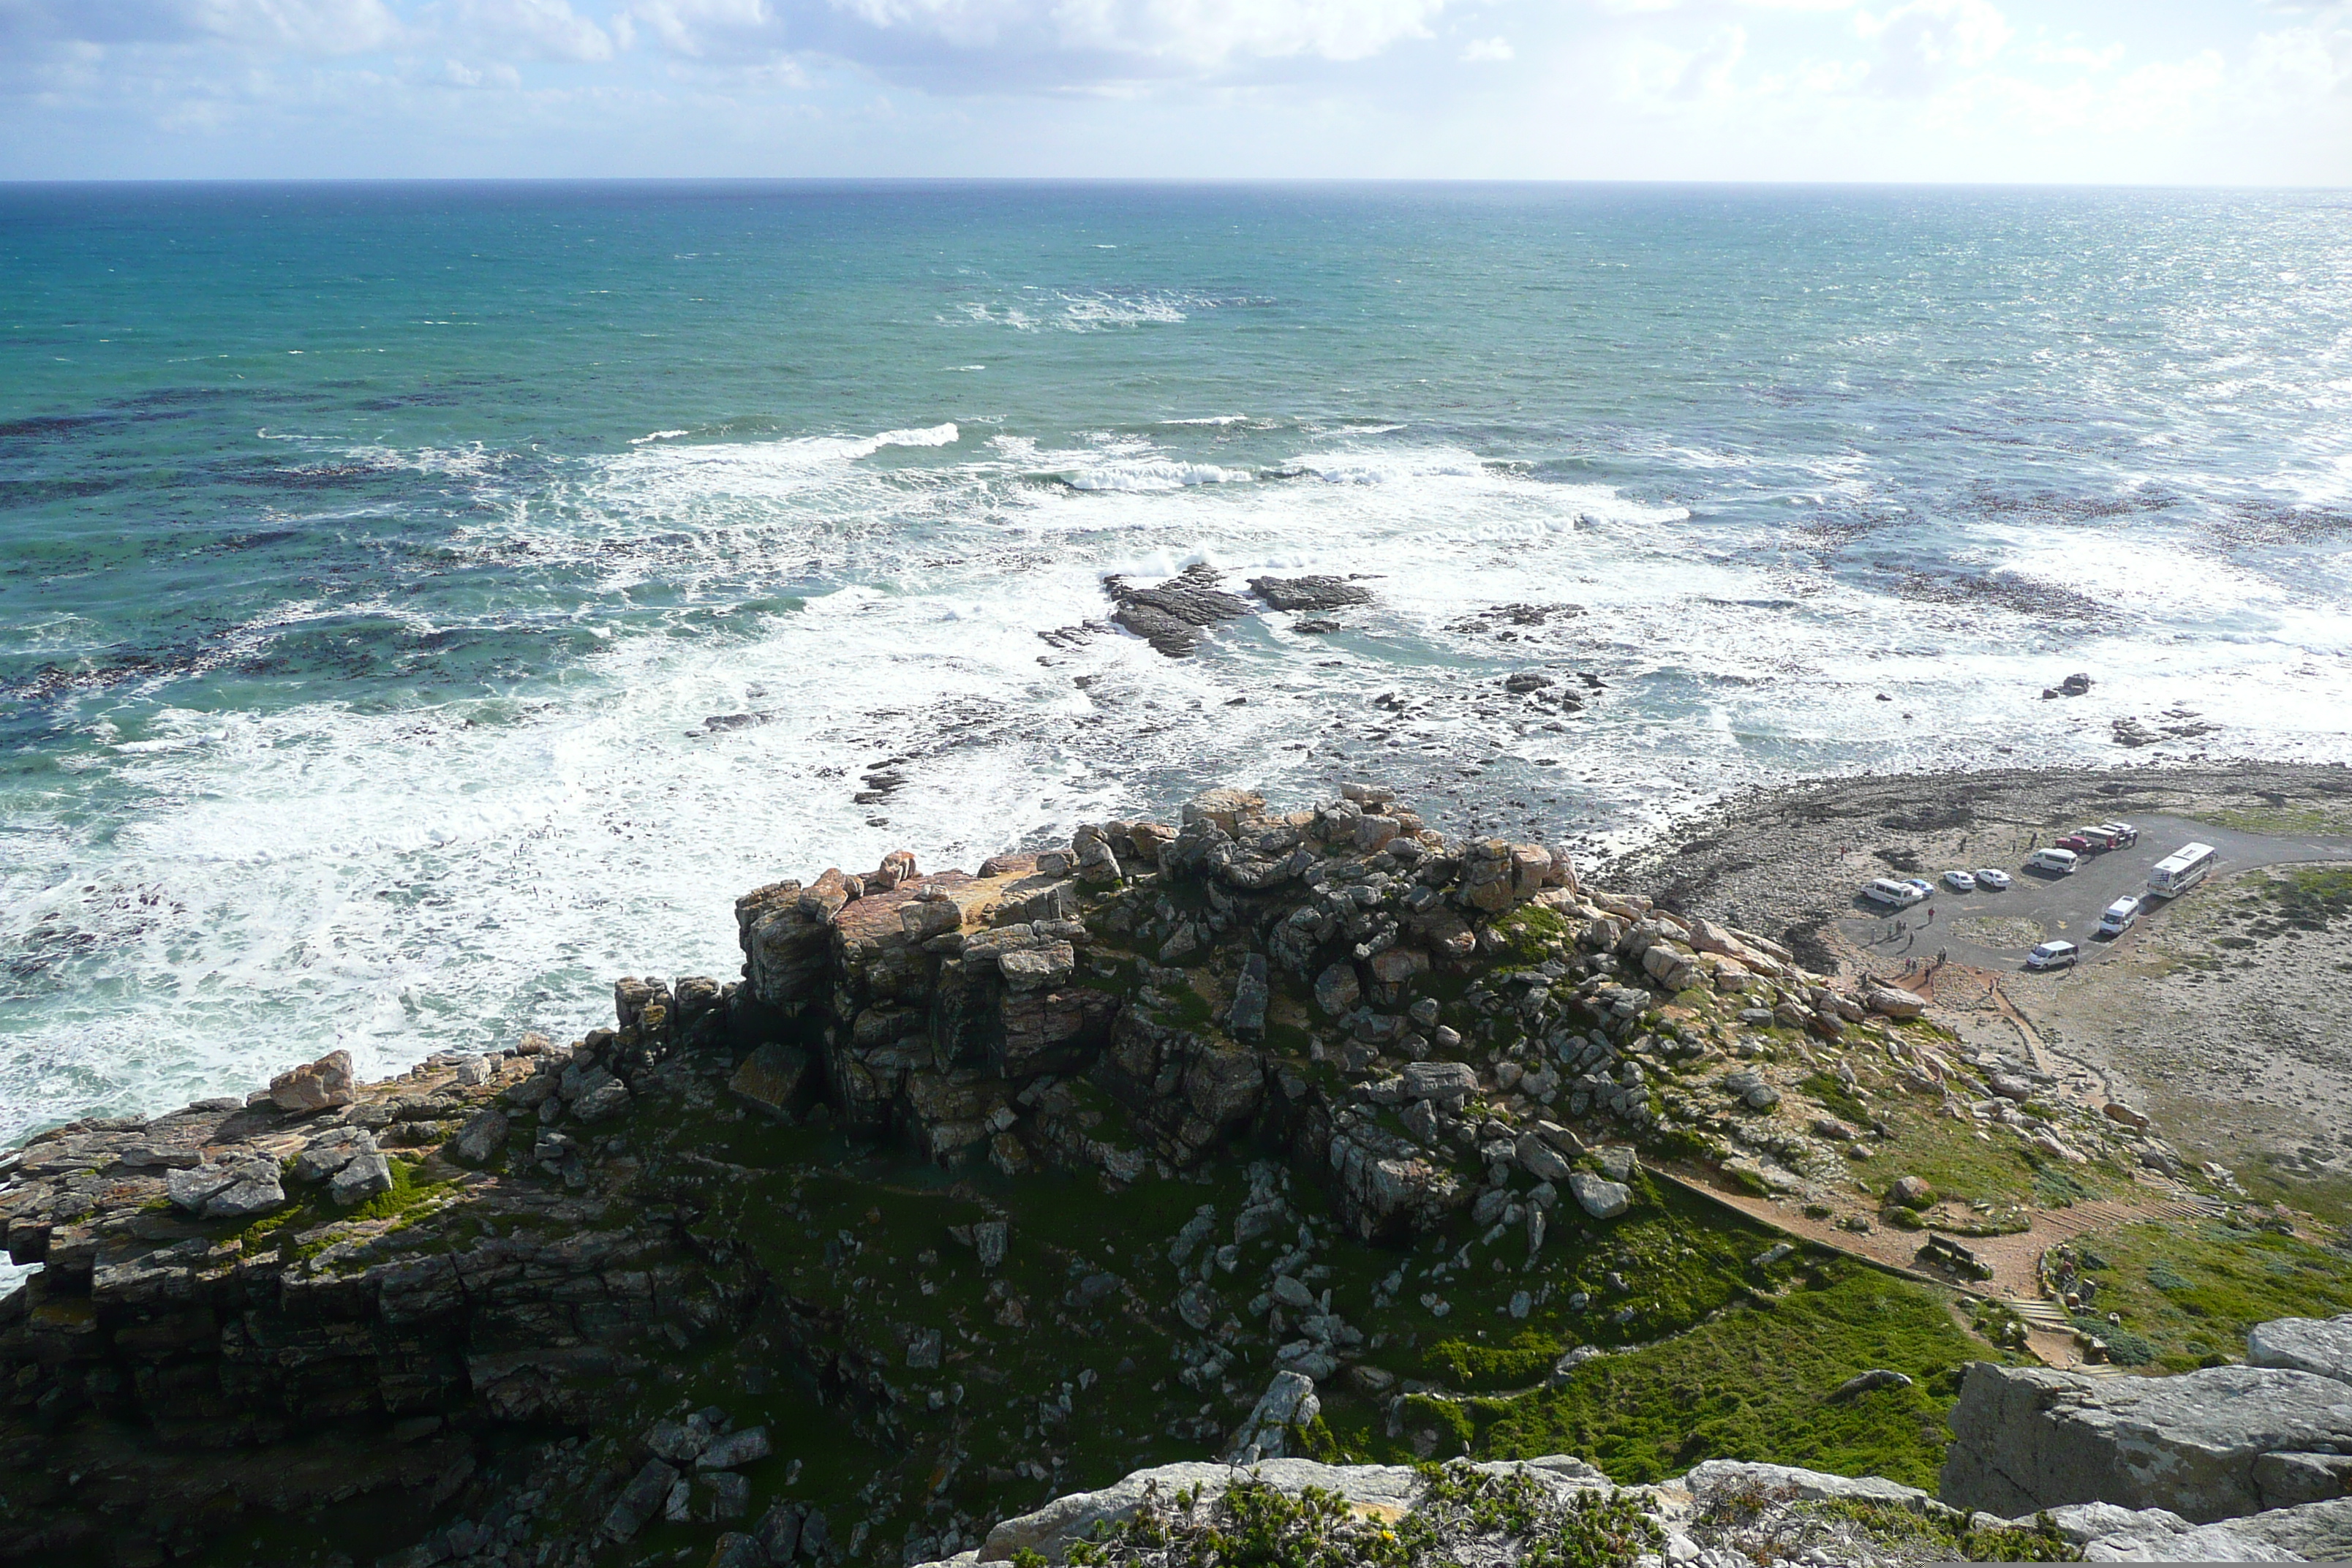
[{"x": 373, "y": 558}]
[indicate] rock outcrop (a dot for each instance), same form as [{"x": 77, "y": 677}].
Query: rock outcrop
[
  {"x": 2215, "y": 1444},
  {"x": 331, "y": 1289}
]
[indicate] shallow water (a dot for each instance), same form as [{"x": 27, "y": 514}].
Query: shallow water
[{"x": 419, "y": 605}]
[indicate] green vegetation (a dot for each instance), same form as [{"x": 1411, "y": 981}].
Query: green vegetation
[
  {"x": 312, "y": 1207},
  {"x": 1999, "y": 1169},
  {"x": 2283, "y": 819},
  {"x": 1529, "y": 934},
  {"x": 1752, "y": 1382},
  {"x": 2189, "y": 1292},
  {"x": 1253, "y": 1525},
  {"x": 2306, "y": 898}
]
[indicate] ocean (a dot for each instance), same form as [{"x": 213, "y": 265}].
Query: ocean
[{"x": 420, "y": 605}]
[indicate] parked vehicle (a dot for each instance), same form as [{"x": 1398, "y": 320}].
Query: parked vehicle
[
  {"x": 2076, "y": 844},
  {"x": 2057, "y": 859},
  {"x": 2053, "y": 955},
  {"x": 1997, "y": 881},
  {"x": 1960, "y": 881},
  {"x": 1927, "y": 890},
  {"x": 2183, "y": 870},
  {"x": 2119, "y": 918},
  {"x": 2120, "y": 835},
  {"x": 1893, "y": 894}
]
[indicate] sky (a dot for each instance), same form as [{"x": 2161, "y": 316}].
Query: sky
[{"x": 2093, "y": 91}]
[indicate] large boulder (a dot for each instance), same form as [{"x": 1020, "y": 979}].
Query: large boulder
[
  {"x": 2029, "y": 1439},
  {"x": 2317, "y": 1531},
  {"x": 320, "y": 1086},
  {"x": 2321, "y": 1345},
  {"x": 1599, "y": 1198}
]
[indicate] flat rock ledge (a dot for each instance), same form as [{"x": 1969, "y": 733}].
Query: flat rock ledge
[{"x": 1722, "y": 1514}]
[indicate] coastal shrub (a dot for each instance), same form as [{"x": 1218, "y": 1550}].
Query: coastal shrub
[
  {"x": 2191, "y": 1292},
  {"x": 1466, "y": 1364},
  {"x": 1460, "y": 1516},
  {"x": 2124, "y": 1348}
]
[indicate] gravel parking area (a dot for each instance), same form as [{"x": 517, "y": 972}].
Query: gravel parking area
[{"x": 2230, "y": 1025}]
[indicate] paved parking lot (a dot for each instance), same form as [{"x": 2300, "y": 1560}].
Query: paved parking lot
[{"x": 2068, "y": 906}]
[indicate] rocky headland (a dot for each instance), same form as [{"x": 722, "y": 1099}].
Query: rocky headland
[{"x": 1385, "y": 1166}]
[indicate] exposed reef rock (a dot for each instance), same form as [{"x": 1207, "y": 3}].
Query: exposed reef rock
[
  {"x": 1309, "y": 593},
  {"x": 1171, "y": 615}
]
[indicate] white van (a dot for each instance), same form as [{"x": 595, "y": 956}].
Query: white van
[
  {"x": 2054, "y": 954},
  {"x": 2119, "y": 918},
  {"x": 2053, "y": 859},
  {"x": 1891, "y": 894},
  {"x": 2183, "y": 870}
]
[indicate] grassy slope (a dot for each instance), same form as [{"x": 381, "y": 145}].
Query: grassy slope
[{"x": 2193, "y": 1290}]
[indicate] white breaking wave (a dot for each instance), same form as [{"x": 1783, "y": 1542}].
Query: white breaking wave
[
  {"x": 1155, "y": 474},
  {"x": 446, "y": 876}
]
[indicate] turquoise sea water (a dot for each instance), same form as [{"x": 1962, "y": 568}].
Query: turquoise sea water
[{"x": 419, "y": 605}]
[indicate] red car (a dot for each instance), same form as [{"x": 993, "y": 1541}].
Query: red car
[{"x": 2080, "y": 845}]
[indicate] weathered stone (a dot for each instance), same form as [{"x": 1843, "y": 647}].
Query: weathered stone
[
  {"x": 1309, "y": 593},
  {"x": 1251, "y": 996},
  {"x": 1289, "y": 1402},
  {"x": 481, "y": 1138},
  {"x": 2314, "y": 1531},
  {"x": 1912, "y": 1193},
  {"x": 1892, "y": 1002},
  {"x": 368, "y": 1174},
  {"x": 1539, "y": 1159},
  {"x": 989, "y": 1237},
  {"x": 2027, "y": 1438},
  {"x": 643, "y": 1498},
  {"x": 2284, "y": 1480},
  {"x": 735, "y": 1449},
  {"x": 770, "y": 1078},
  {"x": 1445, "y": 1082},
  {"x": 1171, "y": 615},
  {"x": 2321, "y": 1345},
  {"x": 1040, "y": 968},
  {"x": 779, "y": 1533},
  {"x": 734, "y": 1549},
  {"x": 605, "y": 1102},
  {"x": 330, "y": 1152},
  {"x": 320, "y": 1086},
  {"x": 1600, "y": 1199},
  {"x": 1336, "y": 990}
]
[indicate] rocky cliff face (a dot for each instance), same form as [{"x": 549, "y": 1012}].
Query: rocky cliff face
[{"x": 1255, "y": 1047}]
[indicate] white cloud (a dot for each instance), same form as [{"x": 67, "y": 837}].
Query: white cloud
[
  {"x": 971, "y": 45},
  {"x": 1924, "y": 45},
  {"x": 291, "y": 26},
  {"x": 698, "y": 27},
  {"x": 527, "y": 29},
  {"x": 1480, "y": 51},
  {"x": 1662, "y": 74}
]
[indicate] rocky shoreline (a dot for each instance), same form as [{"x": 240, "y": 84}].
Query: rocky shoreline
[{"x": 475, "y": 1303}]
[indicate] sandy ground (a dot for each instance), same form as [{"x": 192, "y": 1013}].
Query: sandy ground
[{"x": 2239, "y": 1044}]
